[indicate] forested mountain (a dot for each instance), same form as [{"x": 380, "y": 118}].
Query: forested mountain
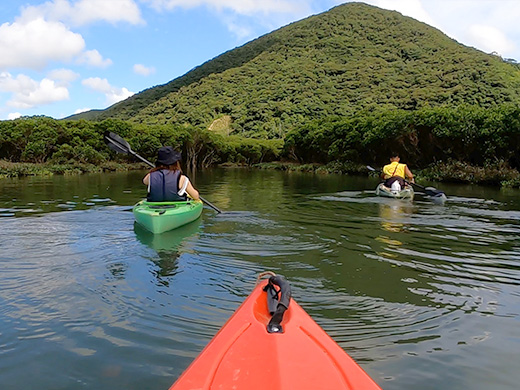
[{"x": 352, "y": 58}]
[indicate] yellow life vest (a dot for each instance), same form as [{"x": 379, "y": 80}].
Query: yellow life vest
[{"x": 394, "y": 169}]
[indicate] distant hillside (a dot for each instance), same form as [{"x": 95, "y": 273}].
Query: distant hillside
[{"x": 351, "y": 58}]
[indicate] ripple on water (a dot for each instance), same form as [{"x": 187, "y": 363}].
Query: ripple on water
[{"x": 414, "y": 291}]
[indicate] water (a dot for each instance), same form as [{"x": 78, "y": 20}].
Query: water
[{"x": 421, "y": 295}]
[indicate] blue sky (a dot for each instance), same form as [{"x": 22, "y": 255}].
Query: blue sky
[{"x": 60, "y": 57}]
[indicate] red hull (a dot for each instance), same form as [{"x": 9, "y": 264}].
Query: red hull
[{"x": 244, "y": 356}]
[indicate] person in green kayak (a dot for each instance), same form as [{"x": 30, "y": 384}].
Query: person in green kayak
[
  {"x": 395, "y": 173},
  {"x": 165, "y": 182}
]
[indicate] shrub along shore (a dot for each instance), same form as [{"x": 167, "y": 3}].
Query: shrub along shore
[
  {"x": 11, "y": 170},
  {"x": 452, "y": 172},
  {"x": 466, "y": 144}
]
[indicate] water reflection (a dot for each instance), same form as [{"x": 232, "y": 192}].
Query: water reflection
[
  {"x": 394, "y": 214},
  {"x": 168, "y": 241},
  {"x": 418, "y": 293},
  {"x": 169, "y": 247},
  {"x": 30, "y": 196}
]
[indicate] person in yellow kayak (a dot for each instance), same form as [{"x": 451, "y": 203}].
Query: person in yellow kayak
[
  {"x": 395, "y": 173},
  {"x": 165, "y": 182}
]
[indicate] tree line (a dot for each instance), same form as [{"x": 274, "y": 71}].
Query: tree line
[
  {"x": 470, "y": 134},
  {"x": 426, "y": 137},
  {"x": 42, "y": 139}
]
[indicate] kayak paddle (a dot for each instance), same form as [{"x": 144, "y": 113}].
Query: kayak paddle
[
  {"x": 431, "y": 191},
  {"x": 120, "y": 145}
]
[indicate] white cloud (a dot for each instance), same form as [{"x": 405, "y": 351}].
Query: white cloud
[
  {"x": 63, "y": 76},
  {"x": 490, "y": 39},
  {"x": 118, "y": 94},
  {"x": 97, "y": 84},
  {"x": 143, "y": 70},
  {"x": 244, "y": 18},
  {"x": 13, "y": 115},
  {"x": 112, "y": 94},
  {"x": 83, "y": 12},
  {"x": 35, "y": 43},
  {"x": 94, "y": 58},
  {"x": 28, "y": 93},
  {"x": 237, "y": 26},
  {"x": 243, "y": 7}
]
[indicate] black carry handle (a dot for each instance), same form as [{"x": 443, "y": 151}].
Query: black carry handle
[
  {"x": 120, "y": 145},
  {"x": 277, "y": 301}
]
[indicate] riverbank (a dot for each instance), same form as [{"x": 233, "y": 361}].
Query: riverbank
[
  {"x": 497, "y": 175},
  {"x": 11, "y": 169}
]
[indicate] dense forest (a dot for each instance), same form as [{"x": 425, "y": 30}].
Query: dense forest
[
  {"x": 342, "y": 88},
  {"x": 47, "y": 140},
  {"x": 351, "y": 58},
  {"x": 435, "y": 139}
]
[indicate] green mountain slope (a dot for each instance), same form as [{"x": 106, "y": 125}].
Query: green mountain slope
[{"x": 351, "y": 58}]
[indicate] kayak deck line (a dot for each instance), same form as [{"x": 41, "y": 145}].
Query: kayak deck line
[
  {"x": 213, "y": 371},
  {"x": 244, "y": 355},
  {"x": 336, "y": 363}
]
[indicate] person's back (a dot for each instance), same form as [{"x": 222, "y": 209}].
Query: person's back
[
  {"x": 395, "y": 174},
  {"x": 164, "y": 186},
  {"x": 165, "y": 182}
]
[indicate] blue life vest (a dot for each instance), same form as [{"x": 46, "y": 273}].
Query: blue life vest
[{"x": 164, "y": 186}]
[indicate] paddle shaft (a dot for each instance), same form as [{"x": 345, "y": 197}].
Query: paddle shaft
[
  {"x": 120, "y": 145},
  {"x": 140, "y": 158}
]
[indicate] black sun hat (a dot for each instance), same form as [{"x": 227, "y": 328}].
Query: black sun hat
[{"x": 168, "y": 156}]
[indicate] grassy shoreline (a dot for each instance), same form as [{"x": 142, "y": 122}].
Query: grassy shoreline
[
  {"x": 14, "y": 169},
  {"x": 496, "y": 175}
]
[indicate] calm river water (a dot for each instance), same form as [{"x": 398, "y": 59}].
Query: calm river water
[{"x": 421, "y": 295}]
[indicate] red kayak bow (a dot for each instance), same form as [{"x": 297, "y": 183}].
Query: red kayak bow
[{"x": 276, "y": 348}]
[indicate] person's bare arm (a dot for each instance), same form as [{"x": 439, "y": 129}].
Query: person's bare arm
[
  {"x": 409, "y": 174},
  {"x": 190, "y": 190}
]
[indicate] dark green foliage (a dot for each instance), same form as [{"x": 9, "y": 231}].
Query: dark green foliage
[
  {"x": 43, "y": 139},
  {"x": 470, "y": 134},
  {"x": 10, "y": 169},
  {"x": 495, "y": 173},
  {"x": 353, "y": 58}
]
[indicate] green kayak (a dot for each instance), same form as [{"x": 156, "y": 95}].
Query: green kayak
[
  {"x": 159, "y": 217},
  {"x": 406, "y": 193}
]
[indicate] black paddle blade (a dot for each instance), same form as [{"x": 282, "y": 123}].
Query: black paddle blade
[
  {"x": 430, "y": 191},
  {"x": 433, "y": 191},
  {"x": 116, "y": 143}
]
